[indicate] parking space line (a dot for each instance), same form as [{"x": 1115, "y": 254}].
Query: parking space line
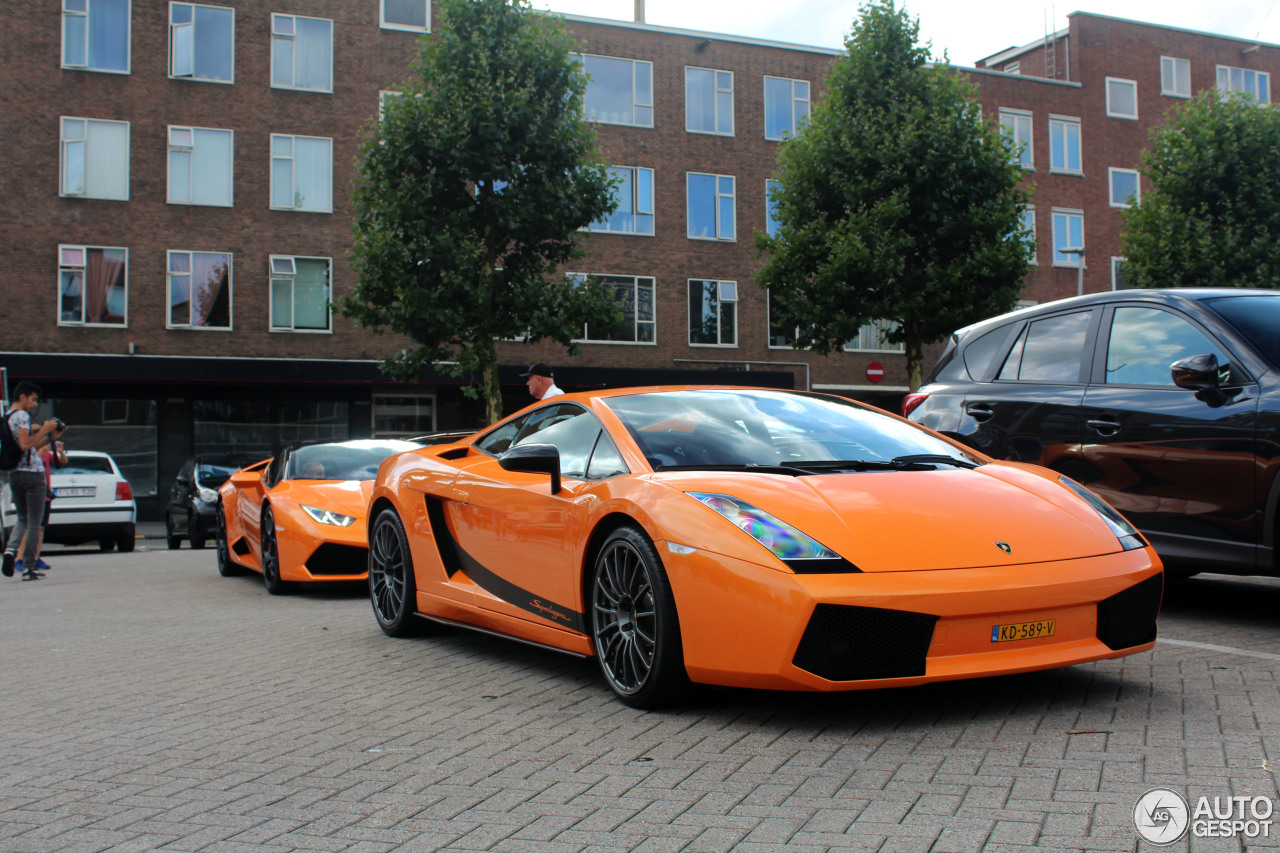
[{"x": 1216, "y": 648}]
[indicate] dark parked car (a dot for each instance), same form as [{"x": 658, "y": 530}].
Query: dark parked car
[
  {"x": 194, "y": 496},
  {"x": 1164, "y": 402}
]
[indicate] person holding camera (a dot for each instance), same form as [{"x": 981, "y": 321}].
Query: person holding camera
[{"x": 27, "y": 483}]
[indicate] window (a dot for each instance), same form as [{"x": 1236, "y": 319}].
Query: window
[
  {"x": 873, "y": 337},
  {"x": 771, "y": 222},
  {"x": 1118, "y": 275},
  {"x": 1049, "y": 350},
  {"x": 708, "y": 101},
  {"x": 713, "y": 313},
  {"x": 710, "y": 206},
  {"x": 93, "y": 286},
  {"x": 586, "y": 451},
  {"x": 1029, "y": 229},
  {"x": 202, "y": 42},
  {"x": 1175, "y": 77},
  {"x": 95, "y": 35},
  {"x": 634, "y": 193},
  {"x": 299, "y": 294},
  {"x": 1013, "y": 68},
  {"x": 301, "y": 53},
  {"x": 200, "y": 166},
  {"x": 302, "y": 173},
  {"x": 634, "y": 295},
  {"x": 403, "y": 415},
  {"x": 1064, "y": 144},
  {"x": 199, "y": 290},
  {"x": 1068, "y": 233},
  {"x": 786, "y": 107},
  {"x": 619, "y": 91},
  {"x": 781, "y": 336},
  {"x": 1255, "y": 85},
  {"x": 412, "y": 15},
  {"x": 1145, "y": 341},
  {"x": 1124, "y": 187},
  {"x": 1016, "y": 125},
  {"x": 95, "y": 158},
  {"x": 1122, "y": 98}
]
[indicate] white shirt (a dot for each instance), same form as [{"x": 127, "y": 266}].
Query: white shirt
[{"x": 553, "y": 391}]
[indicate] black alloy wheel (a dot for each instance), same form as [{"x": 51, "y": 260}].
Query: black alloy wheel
[
  {"x": 393, "y": 590},
  {"x": 226, "y": 566},
  {"x": 271, "y": 556},
  {"x": 634, "y": 623}
]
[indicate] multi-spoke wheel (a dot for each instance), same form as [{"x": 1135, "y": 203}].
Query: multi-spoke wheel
[
  {"x": 226, "y": 566},
  {"x": 271, "y": 556},
  {"x": 392, "y": 586},
  {"x": 634, "y": 622}
]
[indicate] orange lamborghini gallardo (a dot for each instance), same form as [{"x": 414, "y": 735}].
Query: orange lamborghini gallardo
[
  {"x": 754, "y": 538},
  {"x": 299, "y": 516}
]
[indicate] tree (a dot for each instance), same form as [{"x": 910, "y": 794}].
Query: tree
[
  {"x": 469, "y": 194},
  {"x": 1212, "y": 215},
  {"x": 898, "y": 201}
]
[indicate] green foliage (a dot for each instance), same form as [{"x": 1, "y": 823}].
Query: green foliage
[
  {"x": 898, "y": 201},
  {"x": 470, "y": 192},
  {"x": 1212, "y": 215}
]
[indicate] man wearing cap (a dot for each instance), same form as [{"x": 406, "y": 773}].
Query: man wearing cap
[{"x": 540, "y": 381}]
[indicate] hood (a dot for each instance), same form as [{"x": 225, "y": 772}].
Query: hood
[
  {"x": 902, "y": 521},
  {"x": 349, "y": 497}
]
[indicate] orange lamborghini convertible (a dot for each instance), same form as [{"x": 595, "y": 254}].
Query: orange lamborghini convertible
[
  {"x": 299, "y": 516},
  {"x": 754, "y": 538}
]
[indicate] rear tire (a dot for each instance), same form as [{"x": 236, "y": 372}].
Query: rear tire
[
  {"x": 271, "y": 556},
  {"x": 393, "y": 590},
  {"x": 127, "y": 539},
  {"x": 106, "y": 544}
]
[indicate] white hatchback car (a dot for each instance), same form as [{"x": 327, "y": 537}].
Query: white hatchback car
[{"x": 92, "y": 500}]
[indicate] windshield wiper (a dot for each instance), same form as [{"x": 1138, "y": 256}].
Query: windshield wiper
[
  {"x": 789, "y": 470},
  {"x": 916, "y": 462},
  {"x": 936, "y": 458}
]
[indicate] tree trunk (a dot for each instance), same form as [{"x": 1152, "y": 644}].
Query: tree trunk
[
  {"x": 490, "y": 388},
  {"x": 914, "y": 349}
]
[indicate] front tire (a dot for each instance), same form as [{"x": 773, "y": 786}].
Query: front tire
[
  {"x": 393, "y": 590},
  {"x": 635, "y": 628},
  {"x": 226, "y": 566},
  {"x": 173, "y": 540},
  {"x": 271, "y": 556}
]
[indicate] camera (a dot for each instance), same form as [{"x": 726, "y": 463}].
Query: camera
[{"x": 61, "y": 424}]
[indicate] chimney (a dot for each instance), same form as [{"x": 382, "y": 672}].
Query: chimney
[{"x": 639, "y": 11}]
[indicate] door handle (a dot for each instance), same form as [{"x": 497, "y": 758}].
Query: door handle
[
  {"x": 1104, "y": 426},
  {"x": 980, "y": 412}
]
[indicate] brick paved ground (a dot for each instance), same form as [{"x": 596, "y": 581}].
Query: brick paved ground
[{"x": 152, "y": 705}]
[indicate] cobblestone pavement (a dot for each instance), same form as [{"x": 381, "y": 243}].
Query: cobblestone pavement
[{"x": 153, "y": 705}]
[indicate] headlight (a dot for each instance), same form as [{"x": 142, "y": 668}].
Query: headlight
[
  {"x": 328, "y": 516},
  {"x": 783, "y": 541},
  {"x": 207, "y": 495},
  {"x": 1128, "y": 535}
]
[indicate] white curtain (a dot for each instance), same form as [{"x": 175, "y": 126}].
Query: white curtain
[
  {"x": 107, "y": 160},
  {"x": 313, "y": 173},
  {"x": 311, "y": 59},
  {"x": 311, "y": 295},
  {"x": 211, "y": 167}
]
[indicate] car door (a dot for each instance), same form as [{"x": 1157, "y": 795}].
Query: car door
[
  {"x": 1179, "y": 467},
  {"x": 1028, "y": 407}
]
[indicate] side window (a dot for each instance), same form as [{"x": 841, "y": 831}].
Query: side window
[
  {"x": 1144, "y": 342},
  {"x": 498, "y": 441},
  {"x": 978, "y": 355},
  {"x": 571, "y": 430},
  {"x": 606, "y": 461},
  {"x": 1049, "y": 350}
]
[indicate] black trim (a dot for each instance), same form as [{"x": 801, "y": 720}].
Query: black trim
[{"x": 74, "y": 509}]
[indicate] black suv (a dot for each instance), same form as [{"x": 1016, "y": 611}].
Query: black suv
[
  {"x": 194, "y": 496},
  {"x": 1164, "y": 402}
]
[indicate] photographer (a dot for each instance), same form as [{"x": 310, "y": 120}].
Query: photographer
[{"x": 28, "y": 483}]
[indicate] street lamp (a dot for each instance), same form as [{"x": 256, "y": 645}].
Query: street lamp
[{"x": 1078, "y": 251}]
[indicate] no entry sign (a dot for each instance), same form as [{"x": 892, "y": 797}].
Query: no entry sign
[{"x": 875, "y": 371}]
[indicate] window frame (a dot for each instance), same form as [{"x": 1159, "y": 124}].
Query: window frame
[
  {"x": 1069, "y": 213},
  {"x": 84, "y": 141},
  {"x": 271, "y": 302},
  {"x": 721, "y": 301},
  {"x": 771, "y": 223},
  {"x": 769, "y": 325},
  {"x": 168, "y": 284},
  {"x": 716, "y": 92},
  {"x": 398, "y": 395},
  {"x": 1173, "y": 91},
  {"x": 172, "y": 27},
  {"x": 590, "y": 278},
  {"x": 636, "y": 105},
  {"x": 276, "y": 37},
  {"x": 1066, "y": 122},
  {"x": 877, "y": 328},
  {"x": 408, "y": 28},
  {"x": 636, "y": 208},
  {"x": 1018, "y": 116},
  {"x": 64, "y": 12},
  {"x": 1117, "y": 261},
  {"x": 718, "y": 196},
  {"x": 1133, "y": 86},
  {"x": 1030, "y": 210},
  {"x": 1112, "y": 171},
  {"x": 231, "y": 159},
  {"x": 84, "y": 268},
  {"x": 807, "y": 100},
  {"x": 1225, "y": 92},
  {"x": 292, "y": 157}
]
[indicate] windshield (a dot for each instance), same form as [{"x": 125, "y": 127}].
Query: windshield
[
  {"x": 352, "y": 460},
  {"x": 1256, "y": 318},
  {"x": 212, "y": 473},
  {"x": 767, "y": 428},
  {"x": 77, "y": 464}
]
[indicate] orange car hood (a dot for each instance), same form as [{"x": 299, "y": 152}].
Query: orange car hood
[{"x": 922, "y": 520}]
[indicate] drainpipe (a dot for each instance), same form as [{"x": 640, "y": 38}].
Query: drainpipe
[{"x": 639, "y": 11}]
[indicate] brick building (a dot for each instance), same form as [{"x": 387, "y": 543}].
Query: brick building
[{"x": 174, "y": 198}]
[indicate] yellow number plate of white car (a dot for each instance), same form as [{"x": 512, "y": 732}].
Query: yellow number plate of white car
[{"x": 1023, "y": 631}]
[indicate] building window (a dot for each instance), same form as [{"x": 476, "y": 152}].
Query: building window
[
  {"x": 710, "y": 206},
  {"x": 786, "y": 107},
  {"x": 95, "y": 158},
  {"x": 1118, "y": 274},
  {"x": 1068, "y": 233},
  {"x": 1016, "y": 125},
  {"x": 199, "y": 290},
  {"x": 708, "y": 101},
  {"x": 302, "y": 173},
  {"x": 634, "y": 295},
  {"x": 771, "y": 222},
  {"x": 1175, "y": 77},
  {"x": 781, "y": 336},
  {"x": 713, "y": 313},
  {"x": 619, "y": 91},
  {"x": 634, "y": 194},
  {"x": 1124, "y": 187},
  {"x": 93, "y": 286},
  {"x": 1029, "y": 229},
  {"x": 95, "y": 35},
  {"x": 200, "y": 166},
  {"x": 412, "y": 15},
  {"x": 301, "y": 53},
  {"x": 202, "y": 42},
  {"x": 1122, "y": 98},
  {"x": 1013, "y": 68},
  {"x": 1064, "y": 145},
  {"x": 872, "y": 338},
  {"x": 1255, "y": 85},
  {"x": 299, "y": 294},
  {"x": 403, "y": 415}
]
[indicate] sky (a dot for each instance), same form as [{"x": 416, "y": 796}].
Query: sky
[{"x": 968, "y": 30}]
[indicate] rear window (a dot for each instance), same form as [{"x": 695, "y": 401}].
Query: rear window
[{"x": 86, "y": 465}]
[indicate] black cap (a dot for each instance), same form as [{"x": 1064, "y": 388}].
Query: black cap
[{"x": 538, "y": 369}]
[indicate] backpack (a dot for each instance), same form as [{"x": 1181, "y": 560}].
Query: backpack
[{"x": 10, "y": 450}]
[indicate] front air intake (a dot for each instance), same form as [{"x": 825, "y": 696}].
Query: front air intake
[
  {"x": 1128, "y": 618},
  {"x": 332, "y": 558},
  {"x": 845, "y": 643}
]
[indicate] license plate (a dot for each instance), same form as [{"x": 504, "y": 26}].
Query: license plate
[
  {"x": 76, "y": 491},
  {"x": 1022, "y": 631}
]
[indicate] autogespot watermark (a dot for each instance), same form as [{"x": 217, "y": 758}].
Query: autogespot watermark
[{"x": 1163, "y": 816}]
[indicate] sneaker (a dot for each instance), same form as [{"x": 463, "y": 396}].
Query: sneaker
[
  {"x": 32, "y": 576},
  {"x": 17, "y": 567},
  {"x": 7, "y": 568},
  {"x": 41, "y": 564}
]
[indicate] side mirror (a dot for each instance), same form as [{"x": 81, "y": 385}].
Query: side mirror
[
  {"x": 535, "y": 459},
  {"x": 1197, "y": 373}
]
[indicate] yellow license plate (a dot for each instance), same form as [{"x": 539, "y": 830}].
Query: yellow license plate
[{"x": 1022, "y": 631}]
